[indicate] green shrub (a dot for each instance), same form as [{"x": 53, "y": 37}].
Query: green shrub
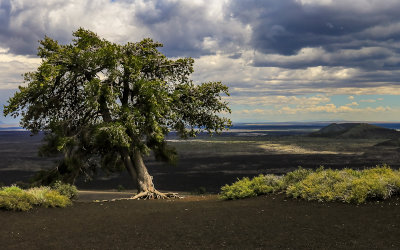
[
  {"x": 55, "y": 199},
  {"x": 12, "y": 189},
  {"x": 248, "y": 188},
  {"x": 295, "y": 176},
  {"x": 39, "y": 194},
  {"x": 347, "y": 185},
  {"x": 66, "y": 189},
  {"x": 17, "y": 199}
]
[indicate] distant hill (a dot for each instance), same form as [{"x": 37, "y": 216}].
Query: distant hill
[{"x": 356, "y": 131}]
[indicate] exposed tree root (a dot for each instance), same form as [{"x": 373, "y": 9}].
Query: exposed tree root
[{"x": 148, "y": 195}]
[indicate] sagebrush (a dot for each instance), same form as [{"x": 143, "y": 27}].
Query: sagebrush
[
  {"x": 346, "y": 185},
  {"x": 17, "y": 199}
]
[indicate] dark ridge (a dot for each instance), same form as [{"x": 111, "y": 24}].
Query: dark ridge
[{"x": 356, "y": 131}]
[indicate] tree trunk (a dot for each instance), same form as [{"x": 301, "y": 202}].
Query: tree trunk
[
  {"x": 144, "y": 179},
  {"x": 138, "y": 171},
  {"x": 129, "y": 166}
]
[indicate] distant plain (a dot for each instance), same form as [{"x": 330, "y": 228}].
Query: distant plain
[
  {"x": 210, "y": 162},
  {"x": 203, "y": 221}
]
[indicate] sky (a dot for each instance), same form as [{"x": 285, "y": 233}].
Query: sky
[{"x": 283, "y": 60}]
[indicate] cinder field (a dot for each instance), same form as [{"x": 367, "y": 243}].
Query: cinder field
[{"x": 211, "y": 162}]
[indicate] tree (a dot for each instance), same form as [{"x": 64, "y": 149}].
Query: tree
[{"x": 107, "y": 105}]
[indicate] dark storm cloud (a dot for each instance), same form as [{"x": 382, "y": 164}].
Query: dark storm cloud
[
  {"x": 359, "y": 34},
  {"x": 22, "y": 28},
  {"x": 285, "y": 27},
  {"x": 183, "y": 27},
  {"x": 15, "y": 40}
]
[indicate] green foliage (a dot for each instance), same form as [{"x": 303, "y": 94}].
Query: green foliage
[
  {"x": 14, "y": 198},
  {"x": 295, "y": 176},
  {"x": 39, "y": 194},
  {"x": 12, "y": 189},
  {"x": 251, "y": 187},
  {"x": 55, "y": 199},
  {"x": 66, "y": 189},
  {"x": 99, "y": 101},
  {"x": 346, "y": 185},
  {"x": 17, "y": 199}
]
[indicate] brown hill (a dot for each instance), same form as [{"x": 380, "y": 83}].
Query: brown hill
[{"x": 356, "y": 131}]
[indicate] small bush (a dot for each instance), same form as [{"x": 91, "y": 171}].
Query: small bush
[
  {"x": 39, "y": 194},
  {"x": 55, "y": 199},
  {"x": 14, "y": 198},
  {"x": 249, "y": 188},
  {"x": 66, "y": 189},
  {"x": 11, "y": 189},
  {"x": 17, "y": 199}
]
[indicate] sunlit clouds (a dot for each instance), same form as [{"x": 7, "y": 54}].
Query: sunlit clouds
[{"x": 287, "y": 60}]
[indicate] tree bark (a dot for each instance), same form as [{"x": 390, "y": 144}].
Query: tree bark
[
  {"x": 129, "y": 166},
  {"x": 144, "y": 179},
  {"x": 138, "y": 171}
]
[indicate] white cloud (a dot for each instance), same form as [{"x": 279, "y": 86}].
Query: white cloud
[
  {"x": 352, "y": 104},
  {"x": 13, "y": 66},
  {"x": 327, "y": 108},
  {"x": 368, "y": 100}
]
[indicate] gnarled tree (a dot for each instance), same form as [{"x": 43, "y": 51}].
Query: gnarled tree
[{"x": 107, "y": 105}]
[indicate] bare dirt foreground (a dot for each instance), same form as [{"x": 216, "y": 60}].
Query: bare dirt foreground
[{"x": 204, "y": 222}]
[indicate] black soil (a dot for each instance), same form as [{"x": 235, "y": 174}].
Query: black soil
[
  {"x": 269, "y": 222},
  {"x": 199, "y": 222}
]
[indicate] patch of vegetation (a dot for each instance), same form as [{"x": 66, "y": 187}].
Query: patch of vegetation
[
  {"x": 347, "y": 185},
  {"x": 295, "y": 176},
  {"x": 66, "y": 189},
  {"x": 17, "y": 199},
  {"x": 246, "y": 187}
]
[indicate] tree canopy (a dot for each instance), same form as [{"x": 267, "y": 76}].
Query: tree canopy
[{"x": 106, "y": 105}]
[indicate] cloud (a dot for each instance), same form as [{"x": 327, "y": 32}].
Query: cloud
[
  {"x": 327, "y": 108},
  {"x": 278, "y": 100},
  {"x": 352, "y": 104},
  {"x": 330, "y": 33},
  {"x": 187, "y": 28},
  {"x": 286, "y": 56},
  {"x": 12, "y": 67}
]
